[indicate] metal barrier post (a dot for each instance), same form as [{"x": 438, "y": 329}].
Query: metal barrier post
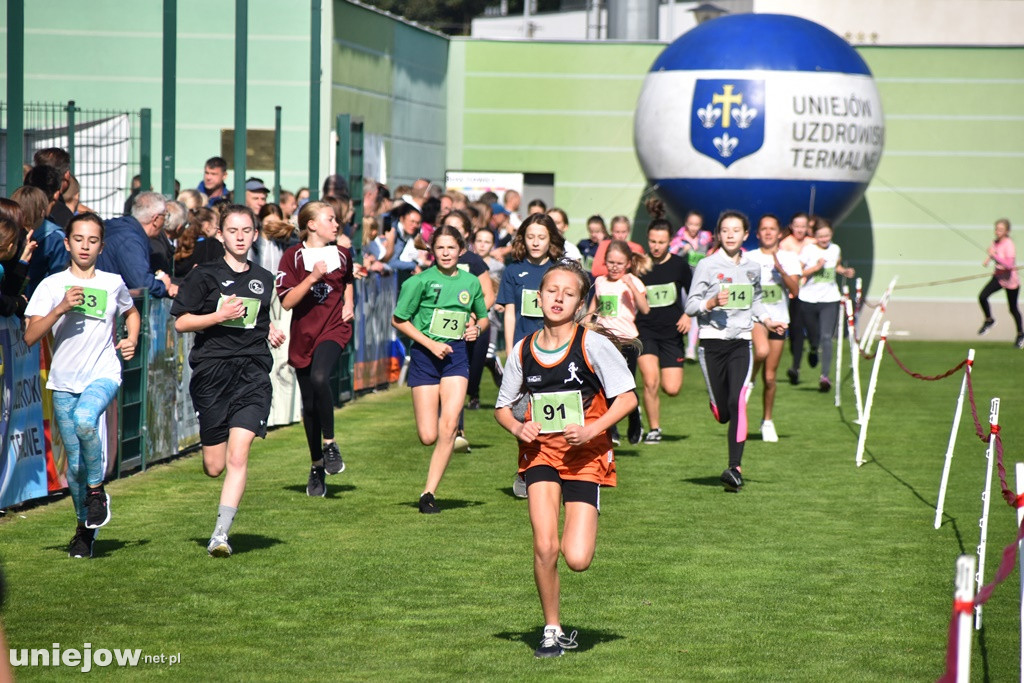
[
  {"x": 277, "y": 154},
  {"x": 355, "y": 184},
  {"x": 131, "y": 397},
  {"x": 315, "y": 45},
  {"x": 70, "y": 109},
  {"x": 146, "y": 148},
  {"x": 15, "y": 94}
]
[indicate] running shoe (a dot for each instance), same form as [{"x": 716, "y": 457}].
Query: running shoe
[
  {"x": 812, "y": 358},
  {"x": 986, "y": 326},
  {"x": 691, "y": 356},
  {"x": 462, "y": 444},
  {"x": 428, "y": 504},
  {"x": 824, "y": 384},
  {"x": 82, "y": 542},
  {"x": 554, "y": 643},
  {"x": 653, "y": 436},
  {"x": 97, "y": 508},
  {"x": 218, "y": 545},
  {"x": 316, "y": 486},
  {"x": 768, "y": 432},
  {"x": 474, "y": 404},
  {"x": 794, "y": 376},
  {"x": 1020, "y": 341},
  {"x": 732, "y": 479},
  {"x": 333, "y": 464},
  {"x": 519, "y": 487},
  {"x": 613, "y": 433},
  {"x": 635, "y": 431}
]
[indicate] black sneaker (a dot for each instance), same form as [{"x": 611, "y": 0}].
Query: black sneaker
[
  {"x": 316, "y": 486},
  {"x": 81, "y": 542},
  {"x": 824, "y": 384},
  {"x": 97, "y": 508},
  {"x": 732, "y": 480},
  {"x": 428, "y": 505},
  {"x": 613, "y": 433},
  {"x": 474, "y": 404},
  {"x": 812, "y": 358},
  {"x": 1020, "y": 341},
  {"x": 986, "y": 326},
  {"x": 333, "y": 464},
  {"x": 794, "y": 376},
  {"x": 653, "y": 436},
  {"x": 549, "y": 645},
  {"x": 635, "y": 431}
]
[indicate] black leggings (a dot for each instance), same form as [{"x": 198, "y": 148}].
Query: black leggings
[
  {"x": 317, "y": 402},
  {"x": 1011, "y": 296},
  {"x": 820, "y": 321},
  {"x": 796, "y": 331},
  {"x": 727, "y": 364},
  {"x": 477, "y": 352}
]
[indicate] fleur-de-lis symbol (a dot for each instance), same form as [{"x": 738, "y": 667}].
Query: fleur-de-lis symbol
[
  {"x": 709, "y": 115},
  {"x": 743, "y": 115},
  {"x": 726, "y": 144}
]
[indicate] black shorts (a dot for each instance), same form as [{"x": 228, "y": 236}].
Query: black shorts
[
  {"x": 573, "y": 490},
  {"x": 668, "y": 350},
  {"x": 230, "y": 392}
]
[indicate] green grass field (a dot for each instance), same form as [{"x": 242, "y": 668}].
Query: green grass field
[{"x": 817, "y": 571}]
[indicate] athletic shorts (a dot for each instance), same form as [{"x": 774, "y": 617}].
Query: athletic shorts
[
  {"x": 573, "y": 490},
  {"x": 772, "y": 334},
  {"x": 668, "y": 350},
  {"x": 425, "y": 368},
  {"x": 227, "y": 393}
]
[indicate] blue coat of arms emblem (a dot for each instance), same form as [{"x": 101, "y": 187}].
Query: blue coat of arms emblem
[{"x": 727, "y": 122}]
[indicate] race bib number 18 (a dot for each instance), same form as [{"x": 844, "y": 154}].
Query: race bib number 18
[
  {"x": 608, "y": 305},
  {"x": 556, "y": 409}
]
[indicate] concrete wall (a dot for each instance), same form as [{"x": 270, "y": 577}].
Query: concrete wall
[{"x": 392, "y": 74}]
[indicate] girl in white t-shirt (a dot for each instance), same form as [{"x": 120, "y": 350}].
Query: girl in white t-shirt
[
  {"x": 80, "y": 305},
  {"x": 617, "y": 298},
  {"x": 780, "y": 278},
  {"x": 819, "y": 297}
]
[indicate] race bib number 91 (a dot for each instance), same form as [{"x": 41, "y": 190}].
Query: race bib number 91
[
  {"x": 556, "y": 409},
  {"x": 740, "y": 296},
  {"x": 448, "y": 324}
]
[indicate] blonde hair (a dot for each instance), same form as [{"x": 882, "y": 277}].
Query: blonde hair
[{"x": 637, "y": 264}]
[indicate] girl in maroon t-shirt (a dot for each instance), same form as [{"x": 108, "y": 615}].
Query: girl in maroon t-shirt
[{"x": 314, "y": 281}]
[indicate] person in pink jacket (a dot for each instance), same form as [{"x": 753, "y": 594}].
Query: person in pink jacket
[{"x": 1003, "y": 254}]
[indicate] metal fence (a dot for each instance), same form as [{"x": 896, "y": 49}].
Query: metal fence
[{"x": 107, "y": 148}]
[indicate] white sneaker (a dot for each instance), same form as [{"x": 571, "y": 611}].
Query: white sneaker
[
  {"x": 462, "y": 445},
  {"x": 519, "y": 487},
  {"x": 218, "y": 545},
  {"x": 768, "y": 432}
]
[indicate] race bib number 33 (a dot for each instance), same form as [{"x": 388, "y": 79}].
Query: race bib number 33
[
  {"x": 94, "y": 305},
  {"x": 556, "y": 409},
  {"x": 448, "y": 324}
]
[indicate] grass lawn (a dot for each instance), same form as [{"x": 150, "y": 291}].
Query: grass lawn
[{"x": 817, "y": 571}]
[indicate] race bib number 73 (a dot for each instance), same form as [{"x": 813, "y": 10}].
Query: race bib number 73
[{"x": 448, "y": 324}]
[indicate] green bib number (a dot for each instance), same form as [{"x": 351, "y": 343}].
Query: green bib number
[
  {"x": 771, "y": 294},
  {"x": 588, "y": 263},
  {"x": 94, "y": 305},
  {"x": 556, "y": 409},
  {"x": 659, "y": 296},
  {"x": 740, "y": 296},
  {"x": 608, "y": 305},
  {"x": 448, "y": 324},
  {"x": 463, "y": 266},
  {"x": 693, "y": 257},
  {"x": 530, "y": 304},
  {"x": 248, "y": 319},
  {"x": 825, "y": 276}
]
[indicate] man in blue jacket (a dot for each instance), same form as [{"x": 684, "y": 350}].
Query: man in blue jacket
[{"x": 126, "y": 250}]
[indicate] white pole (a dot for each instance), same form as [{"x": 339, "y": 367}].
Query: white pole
[
  {"x": 872, "y": 384},
  {"x": 986, "y": 497},
  {"x": 964, "y": 592},
  {"x": 859, "y": 291},
  {"x": 952, "y": 440},
  {"x": 876, "y": 316},
  {"x": 839, "y": 346},
  {"x": 851, "y": 328},
  {"x": 1020, "y": 563}
]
